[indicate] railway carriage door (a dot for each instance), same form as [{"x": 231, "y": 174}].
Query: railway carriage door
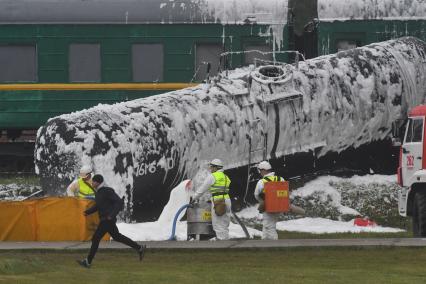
[{"x": 412, "y": 148}]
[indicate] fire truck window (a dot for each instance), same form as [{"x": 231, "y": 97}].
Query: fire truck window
[
  {"x": 417, "y": 130},
  {"x": 414, "y": 131}
]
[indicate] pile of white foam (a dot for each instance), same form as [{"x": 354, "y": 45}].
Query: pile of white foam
[
  {"x": 371, "y": 9},
  {"x": 161, "y": 229}
]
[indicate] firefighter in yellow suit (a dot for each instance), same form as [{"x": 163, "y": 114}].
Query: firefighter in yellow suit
[{"x": 82, "y": 186}]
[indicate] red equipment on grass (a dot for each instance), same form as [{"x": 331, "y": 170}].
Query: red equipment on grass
[{"x": 364, "y": 222}]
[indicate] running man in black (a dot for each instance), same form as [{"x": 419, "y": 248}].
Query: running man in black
[{"x": 108, "y": 204}]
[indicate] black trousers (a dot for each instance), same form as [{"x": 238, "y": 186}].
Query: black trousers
[{"x": 108, "y": 226}]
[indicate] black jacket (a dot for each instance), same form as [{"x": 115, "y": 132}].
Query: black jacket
[{"x": 108, "y": 203}]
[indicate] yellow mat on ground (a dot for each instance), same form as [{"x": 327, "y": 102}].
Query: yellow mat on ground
[{"x": 47, "y": 219}]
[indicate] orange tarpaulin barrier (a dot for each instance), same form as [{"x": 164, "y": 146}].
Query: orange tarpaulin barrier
[{"x": 47, "y": 219}]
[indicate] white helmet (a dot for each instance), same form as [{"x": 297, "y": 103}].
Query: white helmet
[
  {"x": 265, "y": 165},
  {"x": 85, "y": 170},
  {"x": 216, "y": 162}
]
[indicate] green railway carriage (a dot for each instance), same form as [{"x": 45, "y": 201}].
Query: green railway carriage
[
  {"x": 321, "y": 27},
  {"x": 56, "y": 68},
  {"x": 62, "y": 56},
  {"x": 337, "y": 35}
]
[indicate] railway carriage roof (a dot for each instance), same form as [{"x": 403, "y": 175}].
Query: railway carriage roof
[
  {"x": 371, "y": 9},
  {"x": 198, "y": 11},
  {"x": 143, "y": 11}
]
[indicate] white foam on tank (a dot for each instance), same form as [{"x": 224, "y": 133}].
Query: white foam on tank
[
  {"x": 343, "y": 106},
  {"x": 268, "y": 12},
  {"x": 232, "y": 11},
  {"x": 329, "y": 10}
]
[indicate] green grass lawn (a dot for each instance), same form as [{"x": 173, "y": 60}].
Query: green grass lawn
[{"x": 292, "y": 265}]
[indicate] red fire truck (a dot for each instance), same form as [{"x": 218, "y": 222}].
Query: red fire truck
[{"x": 412, "y": 171}]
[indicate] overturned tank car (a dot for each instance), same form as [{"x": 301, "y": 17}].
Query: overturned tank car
[{"x": 316, "y": 109}]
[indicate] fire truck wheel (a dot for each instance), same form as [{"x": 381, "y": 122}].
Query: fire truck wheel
[{"x": 419, "y": 215}]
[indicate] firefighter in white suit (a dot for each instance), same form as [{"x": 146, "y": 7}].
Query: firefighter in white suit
[
  {"x": 269, "y": 230},
  {"x": 217, "y": 183}
]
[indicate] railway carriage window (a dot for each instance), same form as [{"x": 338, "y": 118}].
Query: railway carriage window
[
  {"x": 207, "y": 53},
  {"x": 249, "y": 57},
  {"x": 85, "y": 63},
  {"x": 346, "y": 44},
  {"x": 148, "y": 62},
  {"x": 414, "y": 131},
  {"x": 18, "y": 63}
]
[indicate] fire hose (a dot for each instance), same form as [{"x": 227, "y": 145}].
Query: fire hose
[{"x": 172, "y": 236}]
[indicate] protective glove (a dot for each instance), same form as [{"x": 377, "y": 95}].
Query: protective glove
[{"x": 193, "y": 201}]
